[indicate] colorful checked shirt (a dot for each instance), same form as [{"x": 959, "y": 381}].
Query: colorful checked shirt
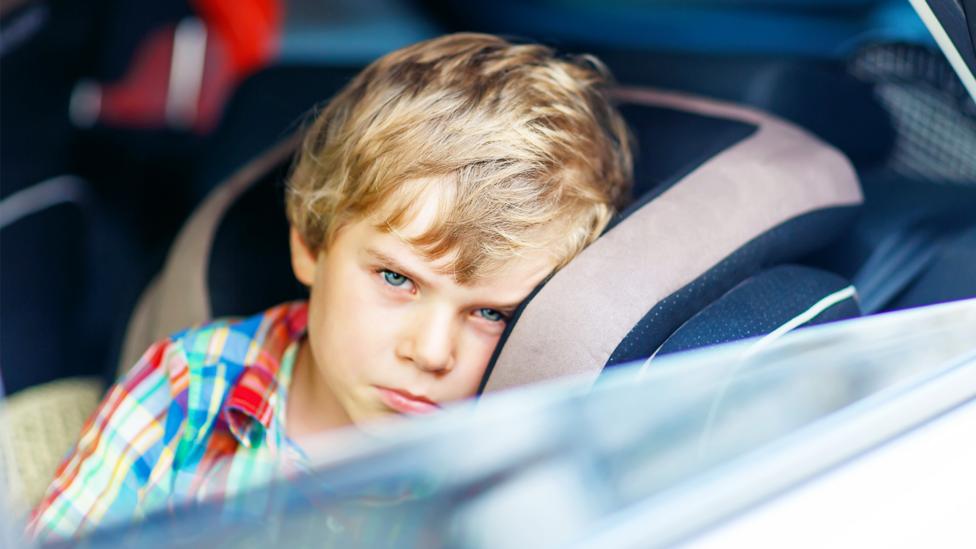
[{"x": 201, "y": 415}]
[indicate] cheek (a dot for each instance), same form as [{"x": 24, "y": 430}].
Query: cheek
[
  {"x": 475, "y": 355},
  {"x": 355, "y": 319}
]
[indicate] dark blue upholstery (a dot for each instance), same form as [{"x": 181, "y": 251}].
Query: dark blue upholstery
[
  {"x": 67, "y": 269},
  {"x": 762, "y": 304},
  {"x": 41, "y": 287},
  {"x": 951, "y": 275}
]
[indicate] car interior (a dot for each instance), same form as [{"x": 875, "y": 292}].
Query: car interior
[{"x": 813, "y": 162}]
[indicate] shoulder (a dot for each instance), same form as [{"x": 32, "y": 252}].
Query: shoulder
[
  {"x": 178, "y": 372},
  {"x": 205, "y": 362},
  {"x": 197, "y": 365},
  {"x": 237, "y": 342}
]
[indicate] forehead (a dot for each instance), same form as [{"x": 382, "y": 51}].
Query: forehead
[{"x": 426, "y": 203}]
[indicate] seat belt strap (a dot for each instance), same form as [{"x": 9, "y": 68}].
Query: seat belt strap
[{"x": 899, "y": 260}]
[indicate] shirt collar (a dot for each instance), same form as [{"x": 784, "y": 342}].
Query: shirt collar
[{"x": 250, "y": 406}]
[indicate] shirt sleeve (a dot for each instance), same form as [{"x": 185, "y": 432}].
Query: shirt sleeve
[{"x": 103, "y": 477}]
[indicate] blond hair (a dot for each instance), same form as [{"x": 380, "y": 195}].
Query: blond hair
[{"x": 533, "y": 152}]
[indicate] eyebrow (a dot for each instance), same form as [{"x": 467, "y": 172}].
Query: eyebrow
[
  {"x": 393, "y": 264},
  {"x": 396, "y": 266}
]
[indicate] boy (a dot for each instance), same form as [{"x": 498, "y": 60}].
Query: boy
[{"x": 428, "y": 199}]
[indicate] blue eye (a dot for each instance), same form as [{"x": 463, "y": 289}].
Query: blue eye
[
  {"x": 394, "y": 279},
  {"x": 491, "y": 314}
]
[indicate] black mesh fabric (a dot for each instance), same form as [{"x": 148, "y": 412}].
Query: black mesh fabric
[{"x": 762, "y": 304}]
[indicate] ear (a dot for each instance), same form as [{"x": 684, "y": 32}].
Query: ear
[{"x": 303, "y": 260}]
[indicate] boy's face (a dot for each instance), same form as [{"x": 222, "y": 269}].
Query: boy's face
[{"x": 388, "y": 333}]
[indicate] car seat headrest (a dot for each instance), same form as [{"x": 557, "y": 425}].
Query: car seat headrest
[{"x": 772, "y": 195}]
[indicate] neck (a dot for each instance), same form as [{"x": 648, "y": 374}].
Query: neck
[{"x": 312, "y": 406}]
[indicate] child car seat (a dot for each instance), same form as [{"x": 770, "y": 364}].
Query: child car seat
[{"x": 724, "y": 193}]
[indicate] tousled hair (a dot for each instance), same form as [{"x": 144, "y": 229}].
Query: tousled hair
[{"x": 528, "y": 149}]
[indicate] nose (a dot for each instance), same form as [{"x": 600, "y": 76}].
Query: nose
[{"x": 428, "y": 339}]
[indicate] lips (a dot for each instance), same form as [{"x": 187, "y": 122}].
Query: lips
[{"x": 405, "y": 402}]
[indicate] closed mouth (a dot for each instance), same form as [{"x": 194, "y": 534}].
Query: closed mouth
[{"x": 406, "y": 402}]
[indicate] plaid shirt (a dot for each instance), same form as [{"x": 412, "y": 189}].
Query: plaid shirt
[{"x": 200, "y": 415}]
